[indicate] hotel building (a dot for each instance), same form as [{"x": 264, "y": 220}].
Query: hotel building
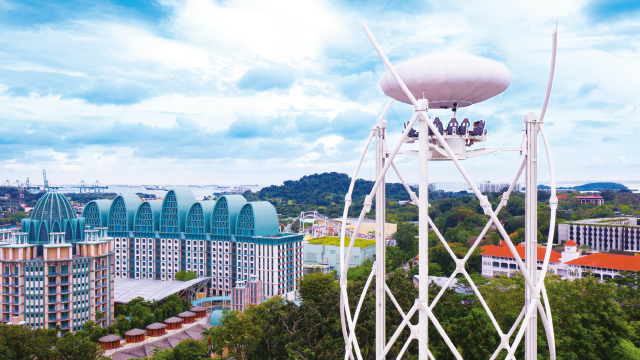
[
  {"x": 227, "y": 240},
  {"x": 57, "y": 273}
]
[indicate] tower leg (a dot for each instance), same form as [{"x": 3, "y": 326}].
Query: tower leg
[
  {"x": 423, "y": 234},
  {"x": 531, "y": 229},
  {"x": 381, "y": 338}
]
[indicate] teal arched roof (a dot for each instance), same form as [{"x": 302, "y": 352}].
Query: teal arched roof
[
  {"x": 199, "y": 217},
  {"x": 175, "y": 206},
  {"x": 51, "y": 207},
  {"x": 147, "y": 217},
  {"x": 225, "y": 214},
  {"x": 96, "y": 212},
  {"x": 257, "y": 218},
  {"x": 122, "y": 212}
]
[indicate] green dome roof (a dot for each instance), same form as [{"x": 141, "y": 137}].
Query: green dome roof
[{"x": 53, "y": 206}]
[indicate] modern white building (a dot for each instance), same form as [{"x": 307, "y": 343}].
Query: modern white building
[
  {"x": 622, "y": 234},
  {"x": 488, "y": 186}
]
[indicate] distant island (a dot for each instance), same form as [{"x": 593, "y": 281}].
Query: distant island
[{"x": 597, "y": 186}]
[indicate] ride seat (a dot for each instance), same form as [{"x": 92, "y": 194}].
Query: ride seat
[
  {"x": 464, "y": 127},
  {"x": 452, "y": 128},
  {"x": 438, "y": 124}
]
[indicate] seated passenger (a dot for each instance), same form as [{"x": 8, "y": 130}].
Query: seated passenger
[
  {"x": 439, "y": 125},
  {"x": 412, "y": 132},
  {"x": 478, "y": 130},
  {"x": 452, "y": 128},
  {"x": 462, "y": 129}
]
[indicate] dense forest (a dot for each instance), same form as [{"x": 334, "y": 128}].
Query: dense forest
[{"x": 589, "y": 321}]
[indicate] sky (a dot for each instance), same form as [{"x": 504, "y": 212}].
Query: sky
[{"x": 259, "y": 92}]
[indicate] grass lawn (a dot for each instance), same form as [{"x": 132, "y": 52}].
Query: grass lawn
[{"x": 335, "y": 240}]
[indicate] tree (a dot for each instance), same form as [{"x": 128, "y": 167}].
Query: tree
[
  {"x": 148, "y": 320},
  {"x": 625, "y": 351},
  {"x": 77, "y": 347},
  {"x": 190, "y": 350},
  {"x": 237, "y": 334},
  {"x": 99, "y": 316},
  {"x": 185, "y": 276},
  {"x": 136, "y": 323},
  {"x": 313, "y": 286},
  {"x": 122, "y": 325},
  {"x": 18, "y": 342},
  {"x": 406, "y": 239}
]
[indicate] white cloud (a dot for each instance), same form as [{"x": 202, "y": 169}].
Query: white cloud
[{"x": 189, "y": 64}]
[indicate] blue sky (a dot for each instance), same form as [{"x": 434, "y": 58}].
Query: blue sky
[{"x": 239, "y": 91}]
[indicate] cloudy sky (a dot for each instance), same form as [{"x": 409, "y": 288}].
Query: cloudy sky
[{"x": 244, "y": 92}]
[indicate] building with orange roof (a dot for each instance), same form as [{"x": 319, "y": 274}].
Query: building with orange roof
[
  {"x": 602, "y": 265},
  {"x": 569, "y": 264},
  {"x": 500, "y": 260}
]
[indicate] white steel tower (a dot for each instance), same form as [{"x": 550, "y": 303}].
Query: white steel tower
[{"x": 449, "y": 81}]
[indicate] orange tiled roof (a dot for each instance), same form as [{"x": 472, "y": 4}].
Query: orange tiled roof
[
  {"x": 503, "y": 251},
  {"x": 570, "y": 243},
  {"x": 591, "y": 197},
  {"x": 609, "y": 261}
]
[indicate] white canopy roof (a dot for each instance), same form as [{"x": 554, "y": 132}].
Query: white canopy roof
[
  {"x": 127, "y": 289},
  {"x": 447, "y": 79}
]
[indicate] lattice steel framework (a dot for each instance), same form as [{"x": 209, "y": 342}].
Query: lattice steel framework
[{"x": 535, "y": 294}]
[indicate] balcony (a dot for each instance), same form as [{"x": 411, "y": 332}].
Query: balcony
[
  {"x": 51, "y": 292},
  {"x": 64, "y": 272},
  {"x": 14, "y": 284},
  {"x": 64, "y": 317},
  {"x": 14, "y": 311},
  {"x": 52, "y": 283},
  {"x": 64, "y": 291},
  {"x": 14, "y": 293},
  {"x": 64, "y": 326},
  {"x": 52, "y": 318},
  {"x": 51, "y": 301},
  {"x": 4, "y": 301},
  {"x": 5, "y": 283},
  {"x": 5, "y": 274},
  {"x": 52, "y": 273},
  {"x": 64, "y": 299},
  {"x": 64, "y": 283}
]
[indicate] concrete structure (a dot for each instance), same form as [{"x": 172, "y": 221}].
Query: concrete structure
[
  {"x": 247, "y": 292},
  {"x": 488, "y": 186},
  {"x": 156, "y": 329},
  {"x": 169, "y": 340},
  {"x": 135, "y": 335},
  {"x": 199, "y": 311},
  {"x": 173, "y": 323},
  {"x": 591, "y": 199},
  {"x": 110, "y": 342},
  {"x": 319, "y": 254},
  {"x": 605, "y": 234},
  {"x": 225, "y": 240},
  {"x": 57, "y": 273},
  {"x": 187, "y": 317}
]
